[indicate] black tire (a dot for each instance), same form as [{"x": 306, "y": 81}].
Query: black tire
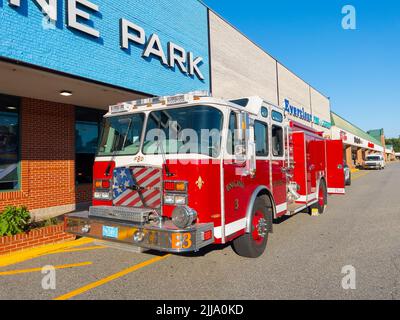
[
  {"x": 246, "y": 245},
  {"x": 348, "y": 181},
  {"x": 321, "y": 206}
]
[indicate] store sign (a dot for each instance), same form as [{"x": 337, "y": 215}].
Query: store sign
[
  {"x": 357, "y": 140},
  {"x": 303, "y": 115},
  {"x": 343, "y": 136},
  {"x": 177, "y": 56},
  {"x": 78, "y": 17},
  {"x": 371, "y": 145}
]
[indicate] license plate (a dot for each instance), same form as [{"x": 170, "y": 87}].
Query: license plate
[{"x": 110, "y": 232}]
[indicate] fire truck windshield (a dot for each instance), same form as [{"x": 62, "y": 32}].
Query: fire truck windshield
[
  {"x": 188, "y": 130},
  {"x": 121, "y": 135}
]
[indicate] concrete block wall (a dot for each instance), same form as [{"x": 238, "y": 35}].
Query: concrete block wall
[
  {"x": 239, "y": 67},
  {"x": 321, "y": 108}
]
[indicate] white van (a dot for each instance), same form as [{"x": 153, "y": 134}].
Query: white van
[{"x": 374, "y": 161}]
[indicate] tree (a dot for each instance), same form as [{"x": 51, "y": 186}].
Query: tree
[{"x": 395, "y": 142}]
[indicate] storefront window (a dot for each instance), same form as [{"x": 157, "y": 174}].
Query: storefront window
[
  {"x": 9, "y": 143},
  {"x": 87, "y": 127}
]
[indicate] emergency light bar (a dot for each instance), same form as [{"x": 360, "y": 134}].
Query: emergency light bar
[
  {"x": 151, "y": 102},
  {"x": 120, "y": 108}
]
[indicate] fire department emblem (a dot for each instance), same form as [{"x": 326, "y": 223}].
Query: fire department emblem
[{"x": 200, "y": 183}]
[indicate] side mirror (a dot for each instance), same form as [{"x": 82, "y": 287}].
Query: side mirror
[{"x": 241, "y": 136}]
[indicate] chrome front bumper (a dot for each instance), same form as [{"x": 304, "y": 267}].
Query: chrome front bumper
[
  {"x": 371, "y": 166},
  {"x": 163, "y": 236}
]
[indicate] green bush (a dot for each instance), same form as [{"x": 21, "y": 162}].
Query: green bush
[
  {"x": 14, "y": 220},
  {"x": 46, "y": 223},
  {"x": 51, "y": 222}
]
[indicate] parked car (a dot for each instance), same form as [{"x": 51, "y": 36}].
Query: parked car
[
  {"x": 347, "y": 175},
  {"x": 375, "y": 161}
]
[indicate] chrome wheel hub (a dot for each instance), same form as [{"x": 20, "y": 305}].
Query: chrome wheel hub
[{"x": 262, "y": 228}]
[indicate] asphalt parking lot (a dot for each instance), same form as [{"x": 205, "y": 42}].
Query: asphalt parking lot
[{"x": 304, "y": 259}]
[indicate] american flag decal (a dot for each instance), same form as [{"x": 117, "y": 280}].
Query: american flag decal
[{"x": 137, "y": 187}]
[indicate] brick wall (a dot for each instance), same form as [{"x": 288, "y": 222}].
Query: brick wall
[
  {"x": 47, "y": 157},
  {"x": 34, "y": 238}
]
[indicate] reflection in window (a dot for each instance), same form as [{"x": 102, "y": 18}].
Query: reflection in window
[
  {"x": 261, "y": 138},
  {"x": 87, "y": 126},
  {"x": 277, "y": 116},
  {"x": 191, "y": 130},
  {"x": 277, "y": 141},
  {"x": 121, "y": 135},
  {"x": 9, "y": 143},
  {"x": 231, "y": 134}
]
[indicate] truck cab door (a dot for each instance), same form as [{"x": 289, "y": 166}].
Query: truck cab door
[
  {"x": 235, "y": 166},
  {"x": 334, "y": 167},
  {"x": 278, "y": 151}
]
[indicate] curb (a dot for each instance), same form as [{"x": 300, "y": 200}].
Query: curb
[
  {"x": 28, "y": 254},
  {"x": 34, "y": 238}
]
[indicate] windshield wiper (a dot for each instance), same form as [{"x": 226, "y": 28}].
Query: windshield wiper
[
  {"x": 160, "y": 147},
  {"x": 115, "y": 151}
]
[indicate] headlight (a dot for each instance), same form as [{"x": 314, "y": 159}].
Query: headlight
[
  {"x": 169, "y": 200},
  {"x": 102, "y": 195},
  {"x": 180, "y": 200},
  {"x": 105, "y": 196},
  {"x": 177, "y": 200},
  {"x": 183, "y": 217},
  {"x": 97, "y": 195}
]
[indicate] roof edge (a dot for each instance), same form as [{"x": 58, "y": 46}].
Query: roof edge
[{"x": 373, "y": 139}]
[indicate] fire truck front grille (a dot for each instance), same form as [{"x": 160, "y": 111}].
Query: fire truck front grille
[
  {"x": 138, "y": 187},
  {"x": 136, "y": 215}
]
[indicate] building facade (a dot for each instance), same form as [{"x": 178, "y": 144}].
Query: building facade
[
  {"x": 357, "y": 143},
  {"x": 240, "y": 68}
]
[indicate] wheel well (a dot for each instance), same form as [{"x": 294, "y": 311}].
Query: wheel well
[
  {"x": 324, "y": 180},
  {"x": 270, "y": 204}
]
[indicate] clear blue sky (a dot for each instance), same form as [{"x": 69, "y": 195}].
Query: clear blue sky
[{"x": 359, "y": 69}]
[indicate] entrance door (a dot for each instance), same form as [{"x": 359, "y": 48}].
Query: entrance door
[{"x": 278, "y": 152}]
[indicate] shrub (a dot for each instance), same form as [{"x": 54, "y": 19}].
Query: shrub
[
  {"x": 14, "y": 220},
  {"x": 45, "y": 223},
  {"x": 51, "y": 222}
]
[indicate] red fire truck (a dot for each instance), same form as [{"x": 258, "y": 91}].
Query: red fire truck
[{"x": 179, "y": 173}]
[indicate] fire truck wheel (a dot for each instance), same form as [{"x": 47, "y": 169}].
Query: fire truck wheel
[
  {"x": 253, "y": 244},
  {"x": 322, "y": 198},
  {"x": 348, "y": 182}
]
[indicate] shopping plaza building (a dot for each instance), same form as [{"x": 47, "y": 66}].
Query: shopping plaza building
[{"x": 61, "y": 66}]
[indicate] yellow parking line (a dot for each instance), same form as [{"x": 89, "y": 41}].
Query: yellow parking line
[
  {"x": 110, "y": 278},
  {"x": 28, "y": 254},
  {"x": 65, "y": 266},
  {"x": 360, "y": 176},
  {"x": 79, "y": 249}
]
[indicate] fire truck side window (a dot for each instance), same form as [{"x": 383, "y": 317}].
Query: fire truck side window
[
  {"x": 277, "y": 141},
  {"x": 261, "y": 139},
  {"x": 231, "y": 134}
]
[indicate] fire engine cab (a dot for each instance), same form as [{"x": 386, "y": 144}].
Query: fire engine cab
[{"x": 179, "y": 173}]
